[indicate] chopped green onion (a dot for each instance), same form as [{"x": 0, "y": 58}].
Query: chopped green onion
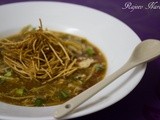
[
  {"x": 63, "y": 94},
  {"x": 99, "y": 67},
  {"x": 20, "y": 91},
  {"x": 39, "y": 102},
  {"x": 8, "y": 74},
  {"x": 90, "y": 51}
]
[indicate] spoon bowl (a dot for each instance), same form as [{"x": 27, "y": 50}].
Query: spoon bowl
[{"x": 146, "y": 50}]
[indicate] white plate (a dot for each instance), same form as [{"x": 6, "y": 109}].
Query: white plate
[{"x": 113, "y": 37}]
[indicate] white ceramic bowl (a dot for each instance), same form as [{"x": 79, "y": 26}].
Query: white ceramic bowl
[{"x": 114, "y": 38}]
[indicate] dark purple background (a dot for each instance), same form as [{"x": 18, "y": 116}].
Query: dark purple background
[{"x": 143, "y": 103}]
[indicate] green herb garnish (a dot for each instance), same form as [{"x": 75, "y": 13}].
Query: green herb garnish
[
  {"x": 99, "y": 67},
  {"x": 20, "y": 91},
  {"x": 8, "y": 74},
  {"x": 63, "y": 94},
  {"x": 90, "y": 51},
  {"x": 39, "y": 102}
]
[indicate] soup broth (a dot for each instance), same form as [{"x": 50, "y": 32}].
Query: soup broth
[{"x": 43, "y": 67}]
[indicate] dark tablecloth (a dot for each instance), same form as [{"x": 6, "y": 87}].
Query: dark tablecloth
[{"x": 143, "y": 103}]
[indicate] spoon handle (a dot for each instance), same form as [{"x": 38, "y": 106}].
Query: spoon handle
[{"x": 68, "y": 106}]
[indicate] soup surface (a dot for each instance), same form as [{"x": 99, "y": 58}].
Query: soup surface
[{"x": 42, "y": 68}]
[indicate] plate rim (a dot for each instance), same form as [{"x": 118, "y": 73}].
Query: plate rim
[{"x": 86, "y": 7}]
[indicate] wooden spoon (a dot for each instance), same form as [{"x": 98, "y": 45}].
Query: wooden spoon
[{"x": 143, "y": 52}]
